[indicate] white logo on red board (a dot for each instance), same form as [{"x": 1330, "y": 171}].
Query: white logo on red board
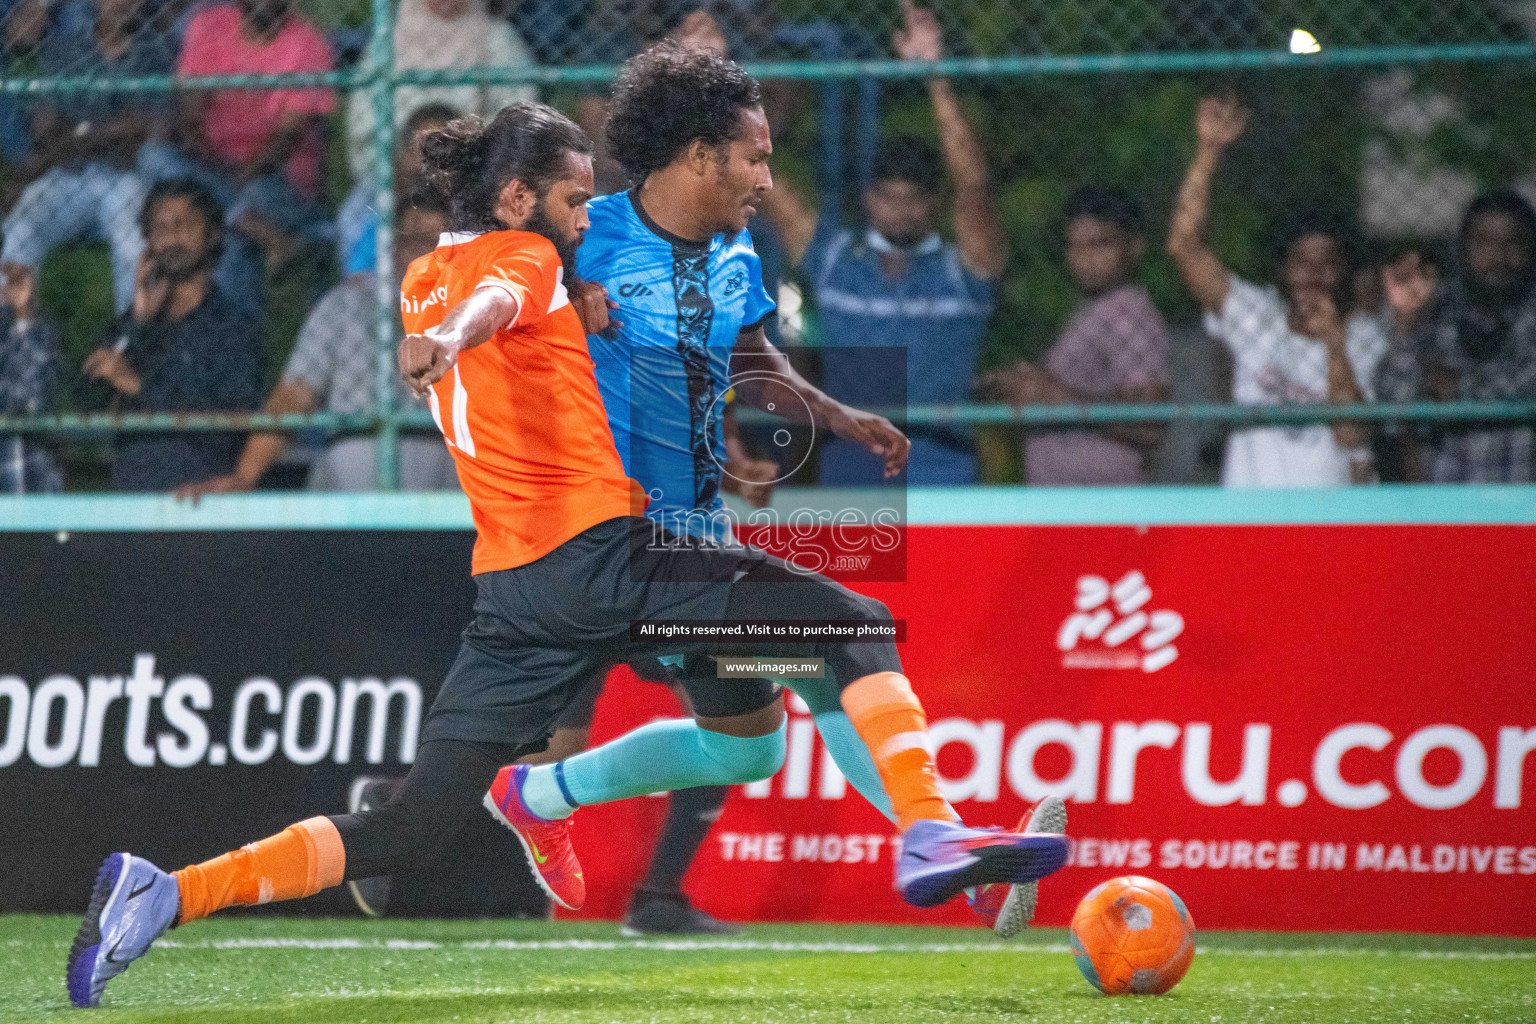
[{"x": 1112, "y": 628}]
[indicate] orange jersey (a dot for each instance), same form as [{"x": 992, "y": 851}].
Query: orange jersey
[{"x": 520, "y": 412}]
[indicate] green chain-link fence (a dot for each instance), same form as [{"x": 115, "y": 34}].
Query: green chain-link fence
[{"x": 1402, "y": 115}]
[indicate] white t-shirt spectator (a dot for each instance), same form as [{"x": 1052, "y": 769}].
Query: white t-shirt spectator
[{"x": 1273, "y": 366}]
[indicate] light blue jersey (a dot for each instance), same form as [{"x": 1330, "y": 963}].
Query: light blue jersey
[{"x": 665, "y": 372}]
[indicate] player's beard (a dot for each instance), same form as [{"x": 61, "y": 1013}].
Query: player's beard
[{"x": 541, "y": 224}]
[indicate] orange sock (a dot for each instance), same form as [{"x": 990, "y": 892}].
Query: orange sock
[
  {"x": 889, "y": 719},
  {"x": 298, "y": 861}
]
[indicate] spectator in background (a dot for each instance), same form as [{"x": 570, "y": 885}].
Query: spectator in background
[
  {"x": 441, "y": 35},
  {"x": 1113, "y": 349},
  {"x": 23, "y": 24},
  {"x": 614, "y": 32},
  {"x": 85, "y": 185},
  {"x": 1296, "y": 343},
  {"x": 357, "y": 222},
  {"x": 258, "y": 151},
  {"x": 334, "y": 367},
  {"x": 182, "y": 347},
  {"x": 1474, "y": 340},
  {"x": 896, "y": 284},
  {"x": 29, "y": 375}
]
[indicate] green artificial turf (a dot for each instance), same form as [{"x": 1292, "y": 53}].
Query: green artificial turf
[{"x": 271, "y": 970}]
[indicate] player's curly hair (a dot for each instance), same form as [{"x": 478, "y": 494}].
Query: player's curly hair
[
  {"x": 667, "y": 97},
  {"x": 469, "y": 162}
]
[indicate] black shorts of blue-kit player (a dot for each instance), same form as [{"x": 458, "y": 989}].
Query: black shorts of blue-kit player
[
  {"x": 694, "y": 677},
  {"x": 773, "y": 589}
]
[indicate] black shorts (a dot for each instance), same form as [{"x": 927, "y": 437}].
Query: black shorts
[
  {"x": 694, "y": 675},
  {"x": 543, "y": 631}
]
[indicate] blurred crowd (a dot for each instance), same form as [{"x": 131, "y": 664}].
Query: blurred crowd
[{"x": 219, "y": 208}]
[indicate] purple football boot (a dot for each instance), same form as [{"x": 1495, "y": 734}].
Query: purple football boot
[
  {"x": 132, "y": 905},
  {"x": 939, "y": 859}
]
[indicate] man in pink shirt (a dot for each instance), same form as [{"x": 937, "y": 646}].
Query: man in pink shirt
[
  {"x": 1113, "y": 349},
  {"x": 258, "y": 149}
]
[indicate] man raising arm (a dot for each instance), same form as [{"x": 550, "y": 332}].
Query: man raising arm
[
  {"x": 1293, "y": 343},
  {"x": 894, "y": 291}
]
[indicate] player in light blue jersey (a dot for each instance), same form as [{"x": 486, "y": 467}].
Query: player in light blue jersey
[{"x": 682, "y": 306}]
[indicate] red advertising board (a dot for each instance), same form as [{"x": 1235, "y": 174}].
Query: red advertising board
[{"x": 1295, "y": 727}]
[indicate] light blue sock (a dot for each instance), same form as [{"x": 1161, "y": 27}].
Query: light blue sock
[
  {"x": 852, "y": 756},
  {"x": 541, "y": 792},
  {"x": 666, "y": 755},
  {"x": 843, "y": 741}
]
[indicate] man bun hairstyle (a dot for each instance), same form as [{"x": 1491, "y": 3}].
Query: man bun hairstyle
[
  {"x": 669, "y": 96},
  {"x": 469, "y": 162}
]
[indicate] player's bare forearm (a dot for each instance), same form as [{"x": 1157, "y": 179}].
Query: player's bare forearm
[
  {"x": 754, "y": 353},
  {"x": 768, "y": 370},
  {"x": 477, "y": 319},
  {"x": 425, "y": 358},
  {"x": 761, "y": 369}
]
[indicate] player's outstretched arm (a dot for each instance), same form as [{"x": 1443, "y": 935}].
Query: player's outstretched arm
[
  {"x": 1219, "y": 122},
  {"x": 426, "y": 358},
  {"x": 755, "y": 355}
]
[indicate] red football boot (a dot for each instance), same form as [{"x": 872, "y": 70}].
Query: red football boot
[{"x": 546, "y": 843}]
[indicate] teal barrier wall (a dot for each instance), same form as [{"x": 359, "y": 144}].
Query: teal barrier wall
[{"x": 955, "y": 506}]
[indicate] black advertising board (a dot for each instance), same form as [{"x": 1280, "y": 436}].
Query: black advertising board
[{"x": 180, "y": 694}]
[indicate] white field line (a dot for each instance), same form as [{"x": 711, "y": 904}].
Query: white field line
[{"x": 756, "y": 946}]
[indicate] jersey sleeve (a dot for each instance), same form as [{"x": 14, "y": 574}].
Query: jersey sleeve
[
  {"x": 760, "y": 305},
  {"x": 531, "y": 273}
]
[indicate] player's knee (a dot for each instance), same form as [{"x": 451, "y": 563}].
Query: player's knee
[
  {"x": 763, "y": 756},
  {"x": 743, "y": 759}
]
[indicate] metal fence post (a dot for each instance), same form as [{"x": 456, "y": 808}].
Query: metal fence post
[{"x": 381, "y": 89}]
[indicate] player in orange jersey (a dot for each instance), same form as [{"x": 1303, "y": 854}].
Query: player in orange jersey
[{"x": 563, "y": 566}]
